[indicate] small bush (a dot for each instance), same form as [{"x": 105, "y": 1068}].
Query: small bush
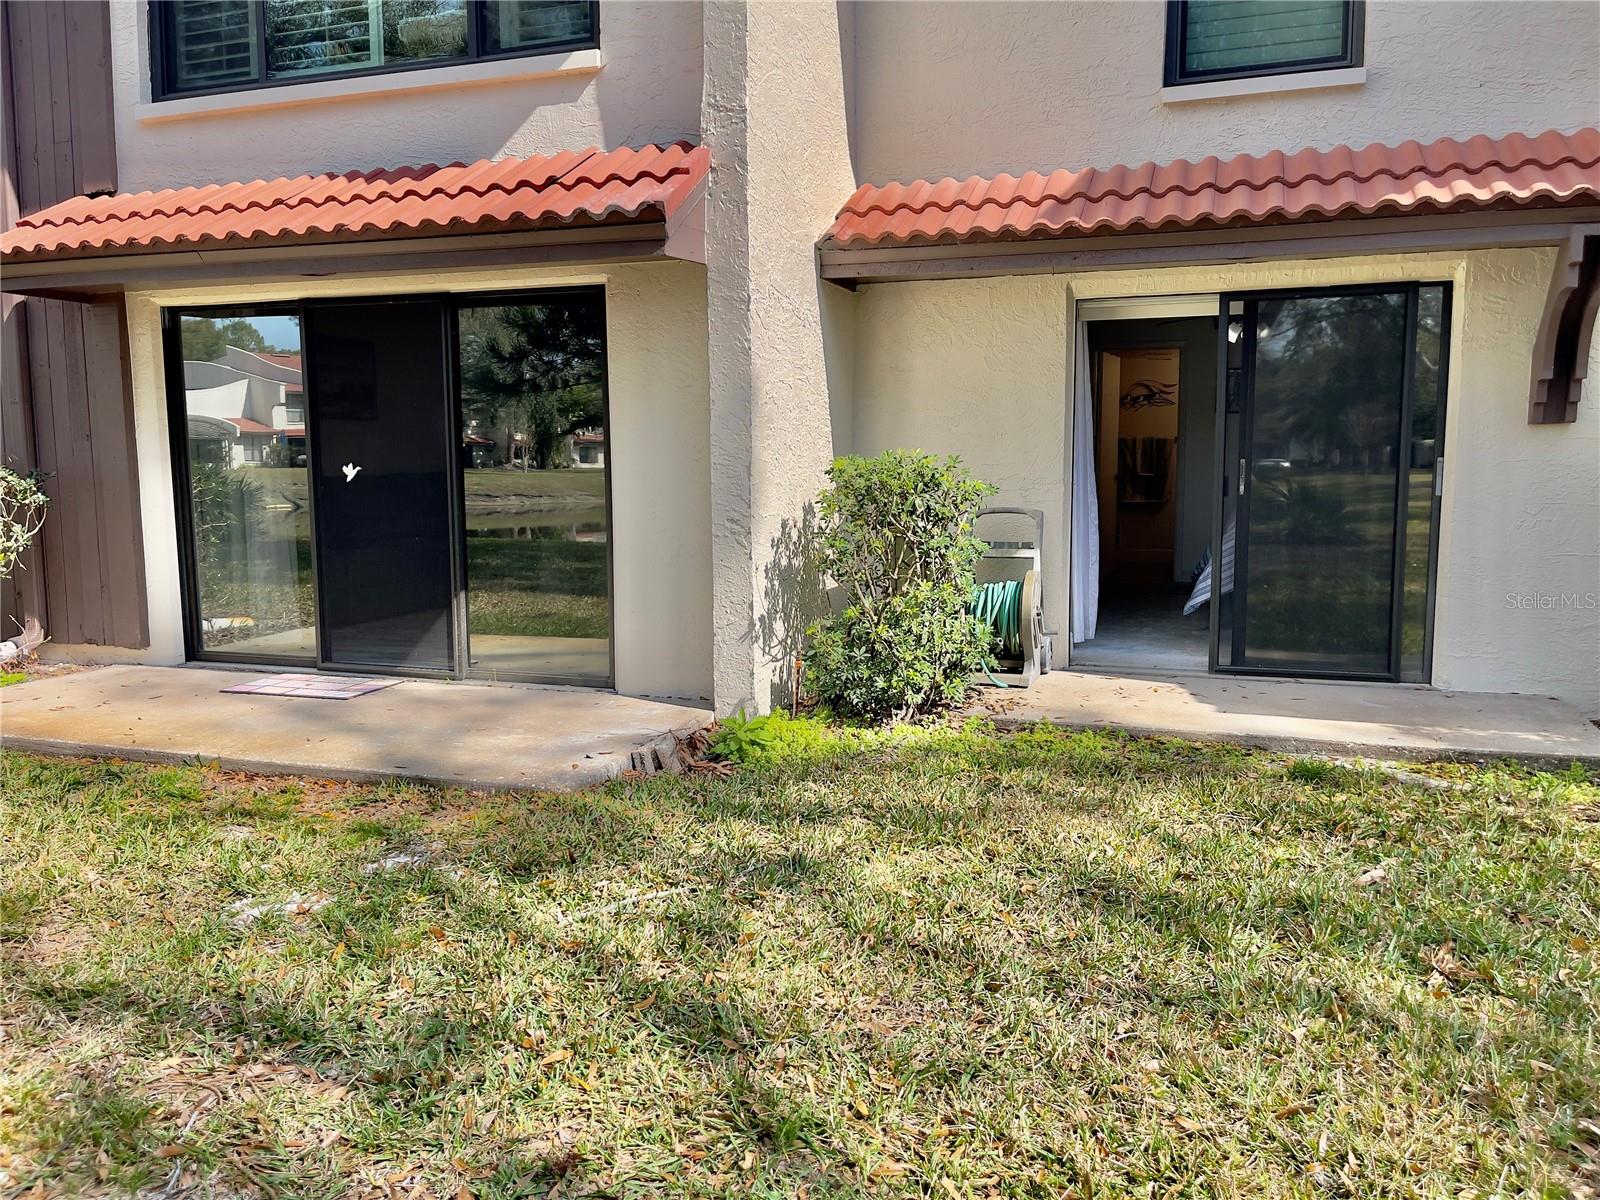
[
  {"x": 22, "y": 508},
  {"x": 896, "y": 537},
  {"x": 742, "y": 739}
]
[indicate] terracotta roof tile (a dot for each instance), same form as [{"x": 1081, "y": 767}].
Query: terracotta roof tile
[
  {"x": 1446, "y": 175},
  {"x": 573, "y": 187},
  {"x": 246, "y": 425}
]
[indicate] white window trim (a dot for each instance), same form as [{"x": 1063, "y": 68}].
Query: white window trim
[
  {"x": 359, "y": 87},
  {"x": 1264, "y": 85}
]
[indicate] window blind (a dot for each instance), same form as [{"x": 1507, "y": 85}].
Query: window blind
[
  {"x": 322, "y": 35},
  {"x": 1230, "y": 35},
  {"x": 215, "y": 43}
]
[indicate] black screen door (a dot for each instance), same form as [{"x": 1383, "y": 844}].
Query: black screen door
[
  {"x": 377, "y": 378},
  {"x": 1328, "y": 521}
]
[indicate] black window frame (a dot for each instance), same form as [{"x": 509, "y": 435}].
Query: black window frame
[
  {"x": 1352, "y": 53},
  {"x": 163, "y": 49}
]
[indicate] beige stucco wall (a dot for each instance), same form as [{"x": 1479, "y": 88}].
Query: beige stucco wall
[
  {"x": 980, "y": 368},
  {"x": 776, "y": 124},
  {"x": 659, "y": 456},
  {"x": 646, "y": 90},
  {"x": 943, "y": 88}
]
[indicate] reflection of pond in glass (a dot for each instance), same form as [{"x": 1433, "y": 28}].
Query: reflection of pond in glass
[{"x": 538, "y": 573}]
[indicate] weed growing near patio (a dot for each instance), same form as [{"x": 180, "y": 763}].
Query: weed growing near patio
[{"x": 932, "y": 962}]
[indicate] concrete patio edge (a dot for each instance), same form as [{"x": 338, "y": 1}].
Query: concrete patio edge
[
  {"x": 464, "y": 735},
  {"x": 1382, "y": 752},
  {"x": 553, "y": 781}
]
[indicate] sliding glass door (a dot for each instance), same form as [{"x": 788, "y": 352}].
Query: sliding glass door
[
  {"x": 424, "y": 489},
  {"x": 534, "y": 485},
  {"x": 1327, "y": 521},
  {"x": 238, "y": 428}
]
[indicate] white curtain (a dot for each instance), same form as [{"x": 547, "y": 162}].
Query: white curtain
[{"x": 1084, "y": 569}]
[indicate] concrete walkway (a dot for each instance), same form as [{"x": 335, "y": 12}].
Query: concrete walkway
[
  {"x": 1378, "y": 720},
  {"x": 462, "y": 734}
]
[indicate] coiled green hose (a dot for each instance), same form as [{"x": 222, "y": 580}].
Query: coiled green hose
[{"x": 999, "y": 606}]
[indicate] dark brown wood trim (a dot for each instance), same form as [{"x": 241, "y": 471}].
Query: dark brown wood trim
[
  {"x": 1561, "y": 351},
  {"x": 24, "y": 594},
  {"x": 66, "y": 408},
  {"x": 1322, "y": 239},
  {"x": 84, "y": 278}
]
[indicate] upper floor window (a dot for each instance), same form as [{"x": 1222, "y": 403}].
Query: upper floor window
[
  {"x": 1236, "y": 39},
  {"x": 204, "y": 46}
]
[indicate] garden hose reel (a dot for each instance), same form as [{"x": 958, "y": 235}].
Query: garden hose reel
[{"x": 1009, "y": 597}]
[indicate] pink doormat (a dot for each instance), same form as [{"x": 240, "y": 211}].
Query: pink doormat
[{"x": 315, "y": 687}]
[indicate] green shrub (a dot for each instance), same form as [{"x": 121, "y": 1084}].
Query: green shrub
[
  {"x": 895, "y": 535},
  {"x": 22, "y": 508},
  {"x": 777, "y": 735}
]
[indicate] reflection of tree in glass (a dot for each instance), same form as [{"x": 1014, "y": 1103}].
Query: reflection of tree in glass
[
  {"x": 227, "y": 510},
  {"x": 536, "y": 369},
  {"x": 1330, "y": 372},
  {"x": 204, "y": 340}
]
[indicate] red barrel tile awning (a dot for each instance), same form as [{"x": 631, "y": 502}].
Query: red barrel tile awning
[
  {"x": 568, "y": 190},
  {"x": 1482, "y": 173}
]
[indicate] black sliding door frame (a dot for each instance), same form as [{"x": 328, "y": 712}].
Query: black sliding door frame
[
  {"x": 456, "y": 303},
  {"x": 183, "y": 486},
  {"x": 452, "y": 472},
  {"x": 450, "y": 305},
  {"x": 1234, "y": 471}
]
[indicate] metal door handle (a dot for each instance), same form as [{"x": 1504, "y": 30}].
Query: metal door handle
[{"x": 1241, "y": 476}]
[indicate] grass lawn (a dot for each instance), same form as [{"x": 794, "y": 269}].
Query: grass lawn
[
  {"x": 941, "y": 964},
  {"x": 573, "y": 482}
]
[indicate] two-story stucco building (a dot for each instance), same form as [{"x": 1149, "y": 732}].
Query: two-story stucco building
[{"x": 1280, "y": 312}]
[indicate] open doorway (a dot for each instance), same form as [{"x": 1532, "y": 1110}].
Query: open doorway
[{"x": 1153, "y": 384}]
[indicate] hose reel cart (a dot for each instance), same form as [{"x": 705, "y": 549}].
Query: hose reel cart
[{"x": 1009, "y": 598}]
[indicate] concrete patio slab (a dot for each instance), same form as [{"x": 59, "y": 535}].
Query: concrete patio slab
[
  {"x": 1378, "y": 720},
  {"x": 461, "y": 734}
]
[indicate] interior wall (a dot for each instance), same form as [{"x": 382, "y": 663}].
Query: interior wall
[
  {"x": 1196, "y": 339},
  {"x": 659, "y": 455},
  {"x": 1144, "y": 533}
]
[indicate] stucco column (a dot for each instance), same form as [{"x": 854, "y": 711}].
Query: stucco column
[{"x": 775, "y": 121}]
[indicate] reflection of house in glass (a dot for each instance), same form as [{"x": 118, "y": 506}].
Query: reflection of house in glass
[
  {"x": 477, "y": 450},
  {"x": 246, "y": 409},
  {"x": 587, "y": 448}
]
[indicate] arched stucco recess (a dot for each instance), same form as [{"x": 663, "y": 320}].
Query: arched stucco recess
[{"x": 1561, "y": 353}]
